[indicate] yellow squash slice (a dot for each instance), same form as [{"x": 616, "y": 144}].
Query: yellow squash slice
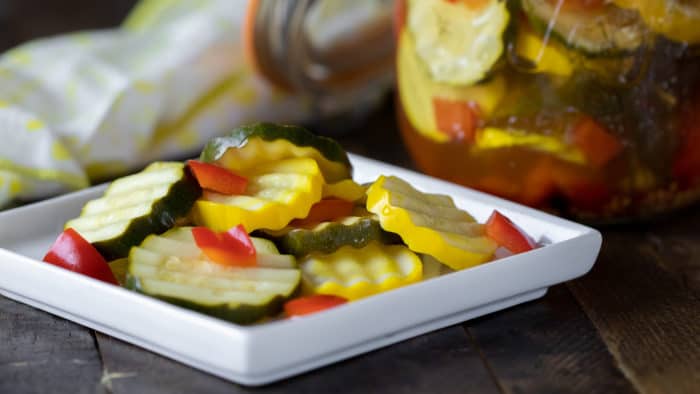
[
  {"x": 355, "y": 273},
  {"x": 429, "y": 223},
  {"x": 277, "y": 193}
]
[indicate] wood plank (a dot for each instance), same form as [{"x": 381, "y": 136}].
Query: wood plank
[
  {"x": 547, "y": 346},
  {"x": 439, "y": 362},
  {"x": 41, "y": 353},
  {"x": 638, "y": 299},
  {"x": 674, "y": 245}
]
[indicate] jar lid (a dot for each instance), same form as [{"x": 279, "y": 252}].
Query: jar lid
[{"x": 332, "y": 50}]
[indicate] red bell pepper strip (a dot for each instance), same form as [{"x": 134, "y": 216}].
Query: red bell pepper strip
[
  {"x": 582, "y": 188},
  {"x": 507, "y": 234},
  {"x": 312, "y": 304},
  {"x": 596, "y": 143},
  {"x": 217, "y": 179},
  {"x": 326, "y": 210},
  {"x": 686, "y": 165},
  {"x": 534, "y": 187},
  {"x": 232, "y": 247},
  {"x": 72, "y": 252},
  {"x": 456, "y": 119},
  {"x": 538, "y": 184}
]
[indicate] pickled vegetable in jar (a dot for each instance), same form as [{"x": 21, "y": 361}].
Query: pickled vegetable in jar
[{"x": 587, "y": 108}]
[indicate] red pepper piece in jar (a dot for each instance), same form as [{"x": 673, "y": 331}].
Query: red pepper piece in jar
[
  {"x": 598, "y": 145},
  {"x": 539, "y": 183},
  {"x": 457, "y": 119},
  {"x": 686, "y": 166},
  {"x": 584, "y": 190}
]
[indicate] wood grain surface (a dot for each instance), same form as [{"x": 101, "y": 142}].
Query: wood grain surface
[
  {"x": 638, "y": 297},
  {"x": 547, "y": 346},
  {"x": 439, "y": 362},
  {"x": 40, "y": 353}
]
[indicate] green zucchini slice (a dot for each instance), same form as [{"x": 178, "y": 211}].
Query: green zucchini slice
[
  {"x": 172, "y": 268},
  {"x": 132, "y": 207},
  {"x": 248, "y": 146},
  {"x": 327, "y": 237},
  {"x": 459, "y": 44},
  {"x": 608, "y": 30}
]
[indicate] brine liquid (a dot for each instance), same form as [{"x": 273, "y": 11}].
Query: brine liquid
[
  {"x": 622, "y": 190},
  {"x": 647, "y": 99}
]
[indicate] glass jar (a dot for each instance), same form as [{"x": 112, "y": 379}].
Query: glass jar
[
  {"x": 338, "y": 55},
  {"x": 588, "y": 108}
]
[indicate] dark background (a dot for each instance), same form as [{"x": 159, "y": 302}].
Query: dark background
[{"x": 22, "y": 20}]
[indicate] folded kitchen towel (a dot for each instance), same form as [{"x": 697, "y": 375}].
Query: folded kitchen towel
[{"x": 88, "y": 106}]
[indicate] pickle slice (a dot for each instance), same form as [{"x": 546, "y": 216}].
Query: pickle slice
[
  {"x": 458, "y": 43},
  {"x": 356, "y": 273},
  {"x": 417, "y": 91},
  {"x": 249, "y": 146},
  {"x": 327, "y": 237},
  {"x": 429, "y": 223},
  {"x": 172, "y": 267},
  {"x": 597, "y": 31}
]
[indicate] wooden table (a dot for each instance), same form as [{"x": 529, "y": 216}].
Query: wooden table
[{"x": 631, "y": 325}]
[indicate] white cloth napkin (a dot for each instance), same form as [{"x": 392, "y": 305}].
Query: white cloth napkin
[{"x": 92, "y": 105}]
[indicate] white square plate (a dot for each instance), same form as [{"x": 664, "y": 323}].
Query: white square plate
[{"x": 263, "y": 353}]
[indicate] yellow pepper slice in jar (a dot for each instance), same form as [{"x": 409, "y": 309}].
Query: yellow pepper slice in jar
[
  {"x": 277, "y": 193},
  {"x": 429, "y": 223},
  {"x": 546, "y": 56},
  {"x": 495, "y": 138},
  {"x": 355, "y": 273}
]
